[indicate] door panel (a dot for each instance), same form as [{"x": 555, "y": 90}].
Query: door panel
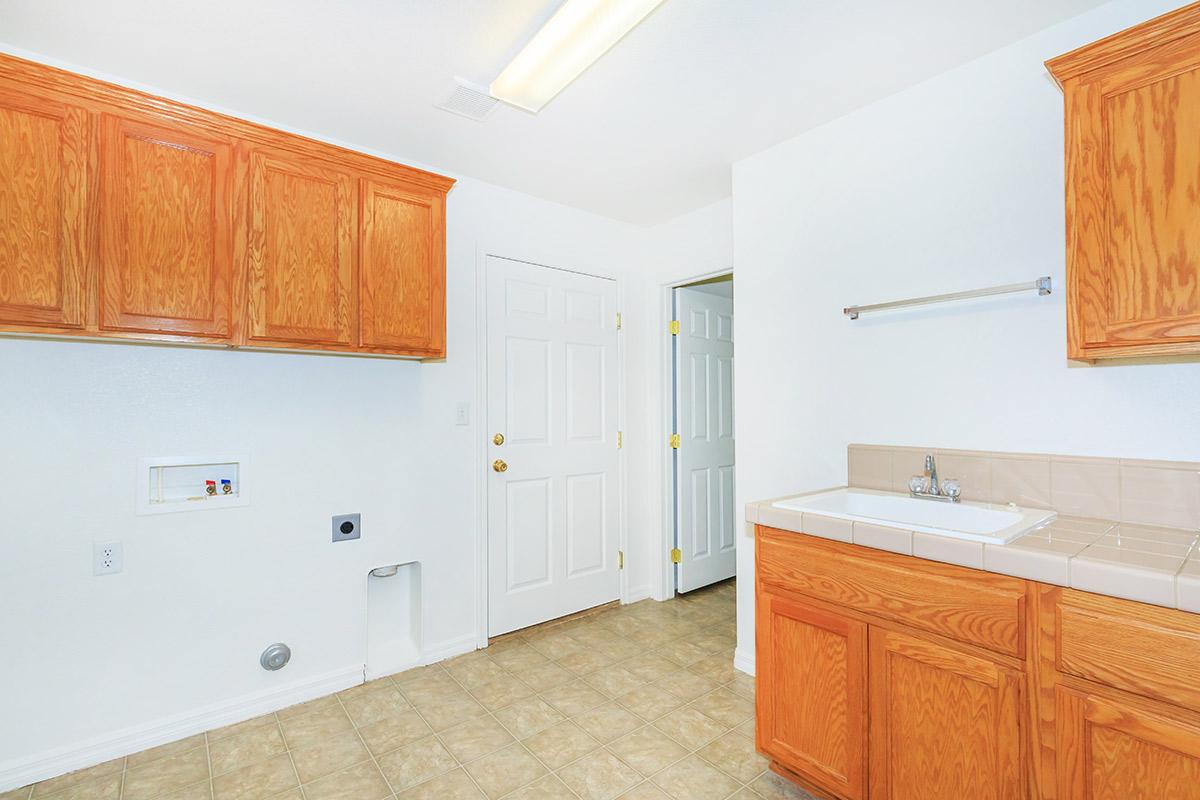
[
  {"x": 403, "y": 275},
  {"x": 301, "y": 251},
  {"x": 552, "y": 395},
  {"x": 943, "y": 723},
  {"x": 811, "y": 699},
  {"x": 704, "y": 463},
  {"x": 1109, "y": 750},
  {"x": 166, "y": 228},
  {"x": 43, "y": 201}
]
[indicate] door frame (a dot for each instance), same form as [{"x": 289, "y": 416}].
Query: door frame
[
  {"x": 664, "y": 587},
  {"x": 482, "y": 454}
]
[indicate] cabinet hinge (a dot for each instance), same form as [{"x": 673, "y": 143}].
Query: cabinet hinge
[
  {"x": 619, "y": 437},
  {"x": 676, "y": 556},
  {"x": 618, "y": 320},
  {"x": 674, "y": 441},
  {"x": 673, "y": 327},
  {"x": 620, "y": 559}
]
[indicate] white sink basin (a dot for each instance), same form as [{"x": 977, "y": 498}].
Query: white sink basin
[{"x": 976, "y": 522}]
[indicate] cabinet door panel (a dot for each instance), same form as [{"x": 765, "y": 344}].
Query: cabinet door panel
[
  {"x": 811, "y": 697},
  {"x": 301, "y": 251},
  {"x": 943, "y": 723},
  {"x": 1109, "y": 750},
  {"x": 403, "y": 274},
  {"x": 166, "y": 222},
  {"x": 43, "y": 211}
]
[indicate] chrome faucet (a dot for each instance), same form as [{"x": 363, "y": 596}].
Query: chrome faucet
[{"x": 928, "y": 487}]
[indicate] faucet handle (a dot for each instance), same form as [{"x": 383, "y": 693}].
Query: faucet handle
[
  {"x": 918, "y": 484},
  {"x": 951, "y": 488}
]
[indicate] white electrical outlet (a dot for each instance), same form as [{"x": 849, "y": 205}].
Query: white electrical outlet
[{"x": 108, "y": 558}]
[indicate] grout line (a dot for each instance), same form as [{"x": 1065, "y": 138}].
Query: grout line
[
  {"x": 363, "y": 741},
  {"x": 208, "y": 759}
]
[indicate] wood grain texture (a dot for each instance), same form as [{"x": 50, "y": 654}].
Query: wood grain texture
[
  {"x": 44, "y": 151},
  {"x": 1109, "y": 750},
  {"x": 811, "y": 699},
  {"x": 1132, "y": 106},
  {"x": 944, "y": 724},
  {"x": 1154, "y": 652},
  {"x": 301, "y": 252},
  {"x": 166, "y": 230},
  {"x": 968, "y": 605},
  {"x": 402, "y": 283}
]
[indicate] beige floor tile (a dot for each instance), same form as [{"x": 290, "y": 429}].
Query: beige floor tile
[
  {"x": 519, "y": 658},
  {"x": 526, "y": 717},
  {"x": 561, "y": 744},
  {"x": 613, "y": 681},
  {"x": 360, "y": 782},
  {"x": 17, "y": 794},
  {"x": 548, "y": 788},
  {"x": 608, "y": 722},
  {"x": 300, "y": 709},
  {"x": 382, "y": 702},
  {"x": 687, "y": 686},
  {"x": 718, "y": 667},
  {"x": 735, "y": 755},
  {"x": 621, "y": 650},
  {"x": 695, "y": 779},
  {"x": 585, "y": 661},
  {"x": 770, "y": 786},
  {"x": 243, "y": 749},
  {"x": 742, "y": 685},
  {"x": 456, "y": 785},
  {"x": 261, "y": 780},
  {"x": 452, "y": 712},
  {"x": 416, "y": 763},
  {"x": 49, "y": 787},
  {"x": 239, "y": 727},
  {"x": 166, "y": 775},
  {"x": 432, "y": 691},
  {"x": 725, "y": 707},
  {"x": 104, "y": 787},
  {"x": 747, "y": 794},
  {"x": 388, "y": 734},
  {"x": 164, "y": 750},
  {"x": 476, "y": 739},
  {"x": 649, "y": 702},
  {"x": 648, "y": 750},
  {"x": 417, "y": 674},
  {"x": 746, "y": 728},
  {"x": 599, "y": 776},
  {"x": 474, "y": 673},
  {"x": 645, "y": 791},
  {"x": 547, "y": 676},
  {"x": 197, "y": 791},
  {"x": 682, "y": 652},
  {"x": 505, "y": 771},
  {"x": 335, "y": 753},
  {"x": 650, "y": 667},
  {"x": 690, "y": 728},
  {"x": 573, "y": 698},
  {"x": 501, "y": 692},
  {"x": 315, "y": 727}
]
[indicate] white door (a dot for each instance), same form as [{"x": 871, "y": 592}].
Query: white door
[
  {"x": 706, "y": 533},
  {"x": 552, "y": 396}
]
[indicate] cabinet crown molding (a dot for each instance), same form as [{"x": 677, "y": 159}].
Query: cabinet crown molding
[{"x": 1123, "y": 44}]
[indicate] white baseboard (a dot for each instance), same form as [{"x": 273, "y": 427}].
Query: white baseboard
[
  {"x": 59, "y": 761},
  {"x": 744, "y": 661},
  {"x": 448, "y": 649},
  {"x": 637, "y": 595}
]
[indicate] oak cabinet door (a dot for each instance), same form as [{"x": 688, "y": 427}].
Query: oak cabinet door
[
  {"x": 402, "y": 275},
  {"x": 812, "y": 675},
  {"x": 44, "y": 153},
  {"x": 944, "y": 724},
  {"x": 166, "y": 229},
  {"x": 300, "y": 252},
  {"x": 1109, "y": 750}
]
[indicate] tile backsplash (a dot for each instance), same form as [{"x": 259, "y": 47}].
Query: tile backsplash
[{"x": 1165, "y": 493}]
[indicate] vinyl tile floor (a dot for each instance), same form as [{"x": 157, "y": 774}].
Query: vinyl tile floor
[{"x": 638, "y": 702}]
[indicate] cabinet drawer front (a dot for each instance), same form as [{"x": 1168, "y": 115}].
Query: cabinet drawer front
[
  {"x": 974, "y": 607},
  {"x": 1141, "y": 649}
]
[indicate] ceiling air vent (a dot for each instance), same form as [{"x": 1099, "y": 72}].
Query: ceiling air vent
[{"x": 470, "y": 101}]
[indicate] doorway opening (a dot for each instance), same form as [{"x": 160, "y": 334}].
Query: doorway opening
[{"x": 703, "y": 512}]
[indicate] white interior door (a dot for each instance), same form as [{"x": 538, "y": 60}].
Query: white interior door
[
  {"x": 552, "y": 396},
  {"x": 704, "y": 470}
]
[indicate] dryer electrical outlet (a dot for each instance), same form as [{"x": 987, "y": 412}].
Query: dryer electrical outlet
[{"x": 347, "y": 527}]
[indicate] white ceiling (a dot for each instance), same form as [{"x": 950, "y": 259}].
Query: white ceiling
[{"x": 648, "y": 133}]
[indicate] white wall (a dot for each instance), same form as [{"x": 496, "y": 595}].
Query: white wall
[
  {"x": 954, "y": 184},
  {"x": 177, "y": 634}
]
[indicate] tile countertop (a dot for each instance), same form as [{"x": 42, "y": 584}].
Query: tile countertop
[{"x": 1136, "y": 562}]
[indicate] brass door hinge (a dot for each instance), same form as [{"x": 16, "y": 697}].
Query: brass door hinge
[
  {"x": 674, "y": 327},
  {"x": 618, "y": 320},
  {"x": 618, "y": 440},
  {"x": 676, "y": 556},
  {"x": 674, "y": 441},
  {"x": 620, "y": 559}
]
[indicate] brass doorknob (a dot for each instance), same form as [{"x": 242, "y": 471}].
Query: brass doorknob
[
  {"x": 498, "y": 439},
  {"x": 499, "y": 466}
]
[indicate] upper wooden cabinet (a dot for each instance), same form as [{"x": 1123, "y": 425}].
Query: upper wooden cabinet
[
  {"x": 1133, "y": 190},
  {"x": 45, "y": 145},
  {"x": 207, "y": 228},
  {"x": 166, "y": 229}
]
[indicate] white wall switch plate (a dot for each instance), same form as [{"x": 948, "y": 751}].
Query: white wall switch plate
[
  {"x": 462, "y": 414},
  {"x": 108, "y": 558}
]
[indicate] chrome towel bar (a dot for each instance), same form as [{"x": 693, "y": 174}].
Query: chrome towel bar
[{"x": 1041, "y": 286}]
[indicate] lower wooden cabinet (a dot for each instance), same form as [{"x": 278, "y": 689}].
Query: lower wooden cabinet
[
  {"x": 944, "y": 724},
  {"x": 1111, "y": 750},
  {"x": 812, "y": 681}
]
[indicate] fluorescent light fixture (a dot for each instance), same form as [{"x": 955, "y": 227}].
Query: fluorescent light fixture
[{"x": 571, "y": 41}]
